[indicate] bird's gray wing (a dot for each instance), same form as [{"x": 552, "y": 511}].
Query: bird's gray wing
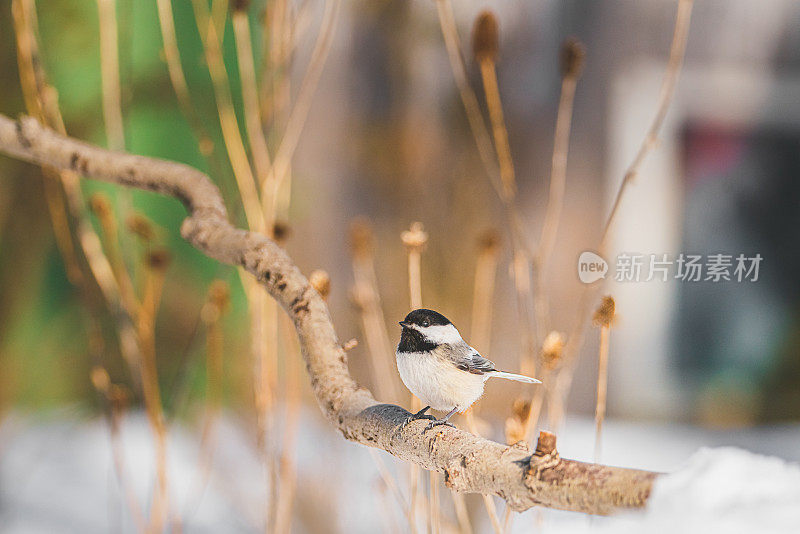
[{"x": 467, "y": 359}]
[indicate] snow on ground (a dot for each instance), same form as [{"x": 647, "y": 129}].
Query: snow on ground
[
  {"x": 57, "y": 476},
  {"x": 726, "y": 490}
]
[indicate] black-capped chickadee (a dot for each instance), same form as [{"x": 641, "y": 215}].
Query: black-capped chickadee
[{"x": 438, "y": 366}]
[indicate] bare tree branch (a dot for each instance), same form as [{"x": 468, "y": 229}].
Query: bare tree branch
[{"x": 469, "y": 464}]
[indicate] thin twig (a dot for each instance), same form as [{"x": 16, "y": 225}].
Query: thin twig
[{"x": 668, "y": 84}]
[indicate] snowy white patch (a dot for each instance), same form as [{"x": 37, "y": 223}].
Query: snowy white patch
[
  {"x": 729, "y": 490},
  {"x": 723, "y": 490}
]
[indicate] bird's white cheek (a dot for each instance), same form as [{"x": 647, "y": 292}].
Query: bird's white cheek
[{"x": 441, "y": 334}]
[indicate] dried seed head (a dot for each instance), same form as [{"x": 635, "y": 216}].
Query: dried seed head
[
  {"x": 553, "y": 349},
  {"x": 206, "y": 146},
  {"x": 219, "y": 294},
  {"x": 158, "y": 259},
  {"x": 604, "y": 316},
  {"x": 239, "y": 5},
  {"x": 321, "y": 281},
  {"x": 521, "y": 409},
  {"x": 361, "y": 237},
  {"x": 119, "y": 397},
  {"x": 415, "y": 237},
  {"x": 281, "y": 232},
  {"x": 546, "y": 443},
  {"x": 100, "y": 205},
  {"x": 515, "y": 430},
  {"x": 100, "y": 379},
  {"x": 485, "y": 37},
  {"x": 489, "y": 241},
  {"x": 572, "y": 55},
  {"x": 141, "y": 226},
  {"x": 360, "y": 296}
]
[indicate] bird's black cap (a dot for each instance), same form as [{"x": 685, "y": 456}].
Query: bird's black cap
[{"x": 423, "y": 317}]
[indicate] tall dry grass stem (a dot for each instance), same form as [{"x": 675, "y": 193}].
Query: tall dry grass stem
[
  {"x": 483, "y": 290},
  {"x": 109, "y": 73},
  {"x": 481, "y": 327},
  {"x": 156, "y": 263},
  {"x": 414, "y": 239},
  {"x": 275, "y": 78},
  {"x": 571, "y": 63},
  {"x": 42, "y": 100},
  {"x": 366, "y": 296},
  {"x": 485, "y": 49},
  {"x": 572, "y": 59},
  {"x": 23, "y": 13},
  {"x": 247, "y": 75},
  {"x": 101, "y": 207},
  {"x": 603, "y": 318},
  {"x": 231, "y": 135}
]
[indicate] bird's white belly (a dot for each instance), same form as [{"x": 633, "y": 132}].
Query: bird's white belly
[{"x": 437, "y": 382}]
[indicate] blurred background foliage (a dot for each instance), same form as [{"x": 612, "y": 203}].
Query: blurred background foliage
[
  {"x": 387, "y": 139},
  {"x": 45, "y": 356}
]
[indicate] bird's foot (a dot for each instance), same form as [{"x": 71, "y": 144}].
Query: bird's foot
[
  {"x": 438, "y": 422},
  {"x": 416, "y": 416}
]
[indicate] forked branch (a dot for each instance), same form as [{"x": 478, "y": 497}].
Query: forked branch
[{"x": 522, "y": 477}]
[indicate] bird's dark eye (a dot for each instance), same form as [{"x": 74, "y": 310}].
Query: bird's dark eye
[{"x": 426, "y": 323}]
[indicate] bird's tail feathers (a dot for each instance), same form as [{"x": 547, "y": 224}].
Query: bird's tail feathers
[{"x": 515, "y": 377}]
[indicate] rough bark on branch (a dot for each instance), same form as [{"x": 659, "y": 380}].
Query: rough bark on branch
[{"x": 522, "y": 477}]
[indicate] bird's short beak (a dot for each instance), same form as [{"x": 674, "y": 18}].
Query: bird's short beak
[{"x": 403, "y": 324}]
